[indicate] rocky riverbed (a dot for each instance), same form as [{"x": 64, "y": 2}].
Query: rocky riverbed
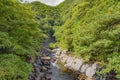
[{"x": 45, "y": 68}]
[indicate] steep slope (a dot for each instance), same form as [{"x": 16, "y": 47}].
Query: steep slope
[
  {"x": 91, "y": 29},
  {"x": 23, "y": 27},
  {"x": 47, "y": 17},
  {"x": 20, "y": 37}
]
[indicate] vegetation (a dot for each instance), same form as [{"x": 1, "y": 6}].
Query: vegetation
[
  {"x": 20, "y": 37},
  {"x": 91, "y": 29},
  {"x": 46, "y": 16},
  {"x": 87, "y": 28}
]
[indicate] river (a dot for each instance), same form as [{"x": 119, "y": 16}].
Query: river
[
  {"x": 58, "y": 73},
  {"x": 45, "y": 67}
]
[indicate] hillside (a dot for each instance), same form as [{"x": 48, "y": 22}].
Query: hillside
[
  {"x": 89, "y": 29},
  {"x": 47, "y": 17},
  {"x": 20, "y": 37}
]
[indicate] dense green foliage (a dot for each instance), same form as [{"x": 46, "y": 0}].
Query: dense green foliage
[
  {"x": 46, "y": 16},
  {"x": 20, "y": 37},
  {"x": 87, "y": 28},
  {"x": 91, "y": 29}
]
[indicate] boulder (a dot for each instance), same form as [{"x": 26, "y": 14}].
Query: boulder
[
  {"x": 90, "y": 72},
  {"x": 38, "y": 61},
  {"x": 57, "y": 56},
  {"x": 84, "y": 68},
  {"x": 58, "y": 52},
  {"x": 45, "y": 58},
  {"x": 76, "y": 65},
  {"x": 69, "y": 62},
  {"x": 44, "y": 68},
  {"x": 46, "y": 62},
  {"x": 63, "y": 57},
  {"x": 64, "y": 51},
  {"x": 49, "y": 72},
  {"x": 55, "y": 50}
]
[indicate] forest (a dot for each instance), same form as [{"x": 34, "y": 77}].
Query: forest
[{"x": 89, "y": 29}]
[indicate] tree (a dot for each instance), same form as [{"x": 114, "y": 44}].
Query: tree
[{"x": 20, "y": 37}]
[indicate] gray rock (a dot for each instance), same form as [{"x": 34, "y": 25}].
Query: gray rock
[
  {"x": 55, "y": 50},
  {"x": 76, "y": 65},
  {"x": 90, "y": 72},
  {"x": 49, "y": 72},
  {"x": 69, "y": 62},
  {"x": 63, "y": 57},
  {"x": 64, "y": 51},
  {"x": 46, "y": 62},
  {"x": 58, "y": 52},
  {"x": 45, "y": 58},
  {"x": 84, "y": 67},
  {"x": 57, "y": 56}
]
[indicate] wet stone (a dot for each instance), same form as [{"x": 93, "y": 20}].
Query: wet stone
[
  {"x": 48, "y": 78},
  {"x": 45, "y": 58},
  {"x": 49, "y": 72},
  {"x": 48, "y": 67},
  {"x": 44, "y": 68}
]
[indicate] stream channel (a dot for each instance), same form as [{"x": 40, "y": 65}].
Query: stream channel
[
  {"x": 58, "y": 73},
  {"x": 45, "y": 67}
]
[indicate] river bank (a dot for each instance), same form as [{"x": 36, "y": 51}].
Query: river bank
[
  {"x": 57, "y": 64},
  {"x": 83, "y": 70}
]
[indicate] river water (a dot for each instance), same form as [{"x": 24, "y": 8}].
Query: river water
[{"x": 57, "y": 72}]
